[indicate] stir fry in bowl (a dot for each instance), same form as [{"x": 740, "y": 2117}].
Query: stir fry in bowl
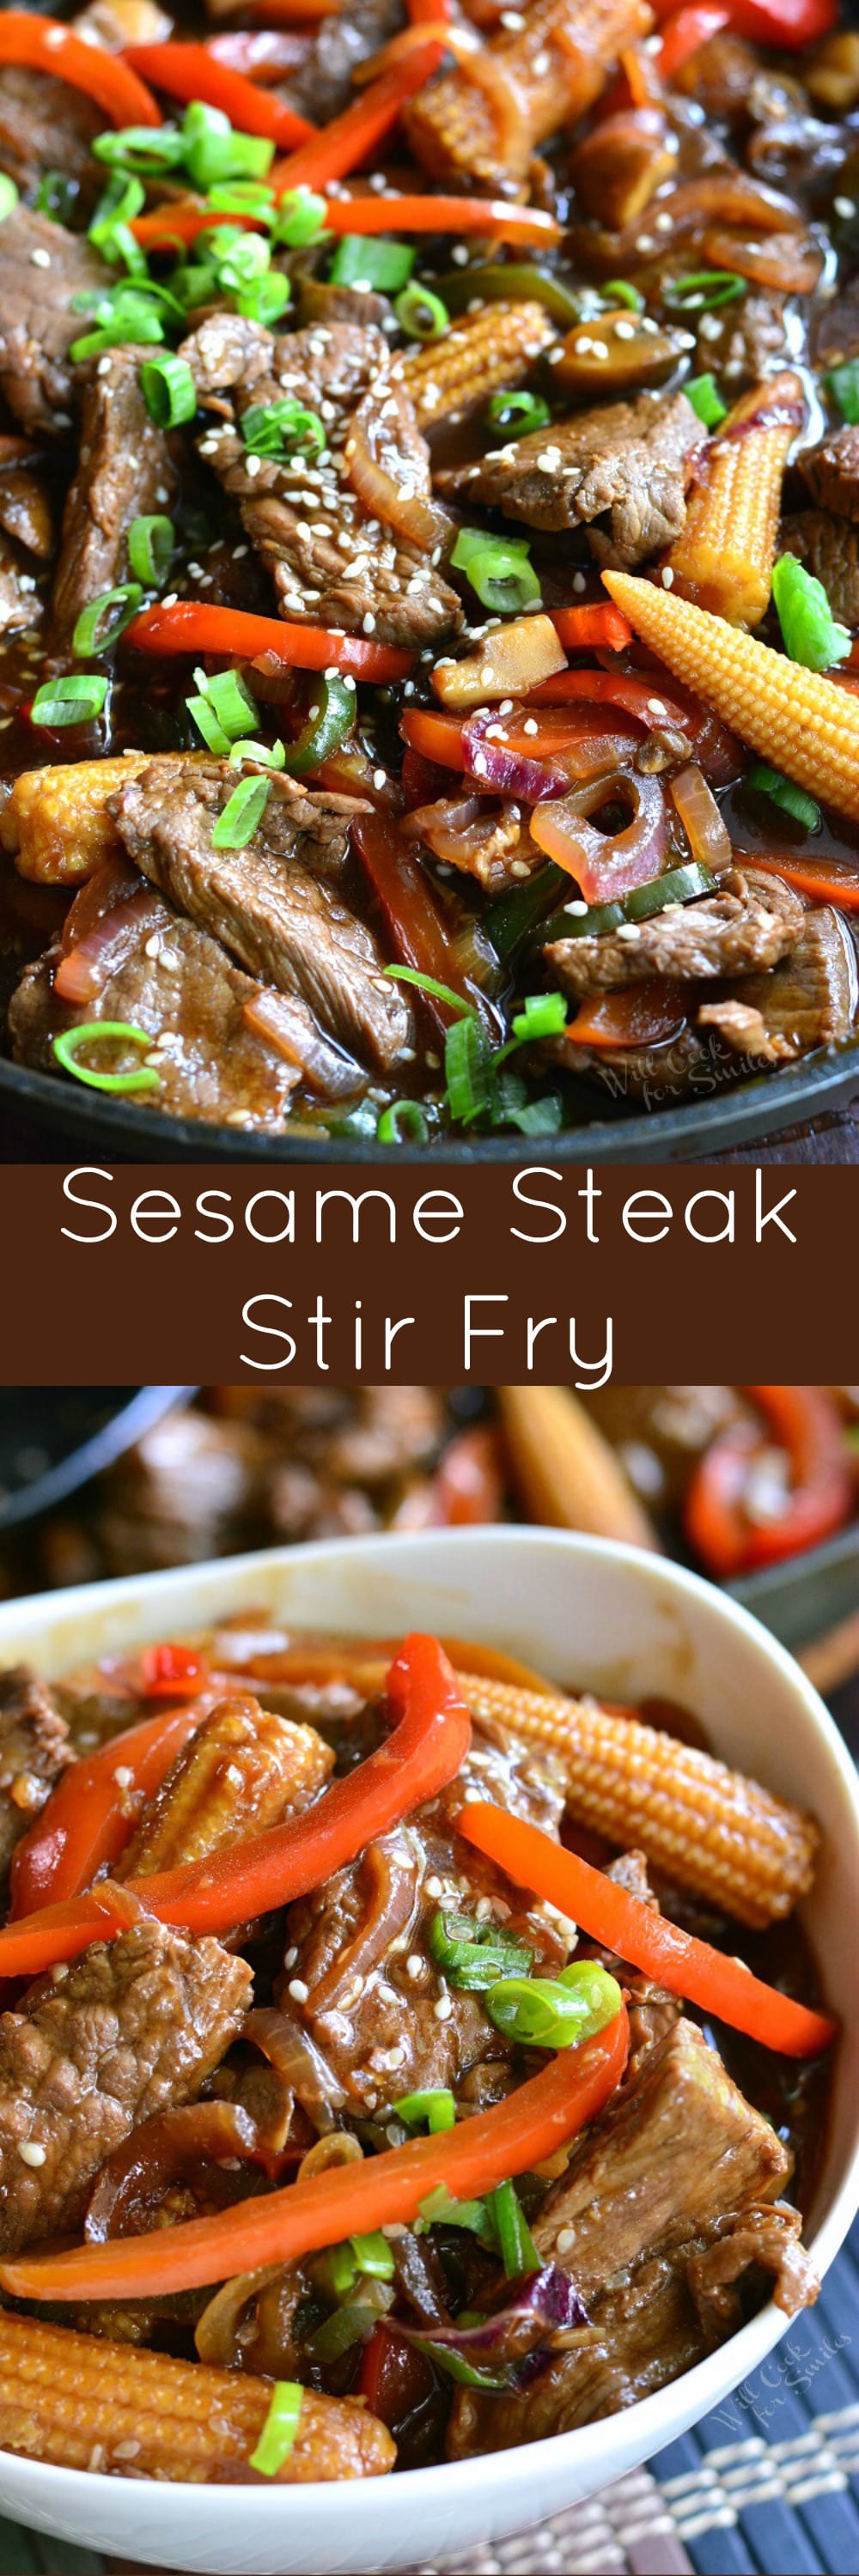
[
  {"x": 429, "y": 477},
  {"x": 406, "y": 2060}
]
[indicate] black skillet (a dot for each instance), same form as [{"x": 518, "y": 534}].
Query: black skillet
[{"x": 54, "y": 1438}]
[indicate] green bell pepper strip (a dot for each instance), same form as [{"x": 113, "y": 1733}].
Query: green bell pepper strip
[{"x": 331, "y": 718}]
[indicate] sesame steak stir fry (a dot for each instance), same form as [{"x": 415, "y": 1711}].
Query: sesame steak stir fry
[
  {"x": 405, "y": 2059},
  {"x": 429, "y": 490}
]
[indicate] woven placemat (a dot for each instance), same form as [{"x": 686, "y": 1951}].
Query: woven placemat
[{"x": 767, "y": 2485}]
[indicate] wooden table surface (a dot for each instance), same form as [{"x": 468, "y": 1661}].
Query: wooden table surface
[{"x": 830, "y": 1139}]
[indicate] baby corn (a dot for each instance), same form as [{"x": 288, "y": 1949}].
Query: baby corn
[
  {"x": 724, "y": 555},
  {"x": 567, "y": 1473},
  {"x": 553, "y": 65},
  {"x": 799, "y": 721},
  {"x": 241, "y": 1770},
  {"x": 56, "y": 825},
  {"x": 478, "y": 356},
  {"x": 79, "y": 2403},
  {"x": 713, "y": 1831}
]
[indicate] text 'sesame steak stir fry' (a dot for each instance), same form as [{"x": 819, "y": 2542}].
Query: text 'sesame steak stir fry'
[
  {"x": 404, "y": 2060},
  {"x": 429, "y": 489}
]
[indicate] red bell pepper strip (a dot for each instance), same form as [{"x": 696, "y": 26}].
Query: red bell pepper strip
[
  {"x": 45, "y": 45},
  {"x": 614, "y": 688},
  {"x": 822, "y": 879},
  {"x": 259, "y": 1871},
  {"x": 172, "y": 1672},
  {"x": 89, "y": 1817},
  {"x": 644, "y": 1015},
  {"x": 420, "y": 11},
  {"x": 468, "y": 1485},
  {"x": 645, "y": 1938},
  {"x": 788, "y": 24},
  {"x": 592, "y": 625},
  {"x": 192, "y": 72},
  {"x": 415, "y": 926},
  {"x": 347, "y": 2200},
  {"x": 804, "y": 1422},
  {"x": 686, "y": 33},
  {"x": 350, "y": 138},
  {"x": 193, "y": 626},
  {"x": 294, "y": 13},
  {"x": 187, "y": 217}
]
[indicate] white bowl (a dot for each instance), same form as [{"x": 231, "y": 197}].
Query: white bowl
[{"x": 626, "y": 1624}]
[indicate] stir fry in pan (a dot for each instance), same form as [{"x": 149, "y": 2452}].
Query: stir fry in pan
[
  {"x": 429, "y": 480},
  {"x": 730, "y": 1477},
  {"x": 405, "y": 2061}
]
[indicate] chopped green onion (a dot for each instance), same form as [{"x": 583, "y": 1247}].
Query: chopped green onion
[
  {"x": 279, "y": 2430},
  {"x": 513, "y": 415},
  {"x": 241, "y": 815},
  {"x": 230, "y": 699},
  {"x": 149, "y": 149},
  {"x": 212, "y": 150},
  {"x": 811, "y": 634},
  {"x": 120, "y": 320},
  {"x": 467, "y": 1069},
  {"x": 555, "y": 2012},
  {"x": 373, "y": 2256},
  {"x": 205, "y": 719},
  {"x": 375, "y": 263},
  {"x": 348, "y": 2326},
  {"x": 403, "y": 1123},
  {"x": 474, "y": 1955},
  {"x": 617, "y": 290},
  {"x": 151, "y": 543},
  {"x": 782, "y": 791},
  {"x": 543, "y": 1015},
  {"x": 437, "y": 2108},
  {"x": 538, "y": 1117},
  {"x": 703, "y": 394},
  {"x": 109, "y": 232},
  {"x": 499, "y": 570},
  {"x": 467, "y": 2374},
  {"x": 56, "y": 196},
  {"x": 269, "y": 755},
  {"x": 94, "y": 1032},
  {"x": 428, "y": 984},
  {"x": 515, "y": 2242},
  {"x": 265, "y": 301},
  {"x": 703, "y": 290},
  {"x": 95, "y": 631},
  {"x": 168, "y": 390},
  {"x": 441, "y": 2210},
  {"x": 420, "y": 314},
  {"x": 244, "y": 197},
  {"x": 843, "y": 384},
  {"x": 72, "y": 701},
  {"x": 300, "y": 217},
  {"x": 270, "y": 429},
  {"x": 8, "y": 195}
]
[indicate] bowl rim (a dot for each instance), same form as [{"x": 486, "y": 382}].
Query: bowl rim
[{"x": 45, "y": 2485}]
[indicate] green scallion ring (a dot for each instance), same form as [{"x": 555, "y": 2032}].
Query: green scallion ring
[
  {"x": 151, "y": 543},
  {"x": 90, "y": 1033},
  {"x": 95, "y": 630},
  {"x": 242, "y": 812},
  {"x": 8, "y": 195},
  {"x": 420, "y": 314},
  {"x": 76, "y": 700},
  {"x": 168, "y": 390},
  {"x": 279, "y": 2430},
  {"x": 513, "y": 414},
  {"x": 404, "y": 1122}
]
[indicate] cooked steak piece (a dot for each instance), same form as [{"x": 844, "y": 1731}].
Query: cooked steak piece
[
  {"x": 135, "y": 2025},
  {"x": 677, "y": 2149},
  {"x": 20, "y": 605},
  {"x": 125, "y": 471},
  {"x": 45, "y": 124},
  {"x": 809, "y": 1001},
  {"x": 42, "y": 268},
  {"x": 273, "y": 903},
  {"x": 34, "y": 1750},
  {"x": 751, "y": 341},
  {"x": 831, "y": 471},
  {"x": 323, "y": 86},
  {"x": 330, "y": 559},
  {"x": 190, "y": 1489},
  {"x": 769, "y": 2238},
  {"x": 359, "y": 1977},
  {"x": 830, "y": 548},
  {"x": 172, "y": 979},
  {"x": 630, "y": 460},
  {"x": 25, "y": 510},
  {"x": 834, "y": 325},
  {"x": 751, "y": 923},
  {"x": 553, "y": 63}
]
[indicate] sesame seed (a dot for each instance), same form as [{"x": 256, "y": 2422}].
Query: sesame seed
[
  {"x": 579, "y": 582},
  {"x": 40, "y": 258},
  {"x": 579, "y": 908},
  {"x": 629, "y": 930},
  {"x": 443, "y": 2008},
  {"x": 624, "y": 330},
  {"x": 663, "y": 223},
  {"x": 414, "y": 1964},
  {"x": 541, "y": 65},
  {"x": 710, "y": 327},
  {"x": 459, "y": 255},
  {"x": 844, "y": 206},
  {"x": 30, "y": 2154},
  {"x": 368, "y": 623},
  {"x": 667, "y": 577},
  {"x": 645, "y": 242},
  {"x": 566, "y": 2240},
  {"x": 298, "y": 1990},
  {"x": 123, "y": 1776}
]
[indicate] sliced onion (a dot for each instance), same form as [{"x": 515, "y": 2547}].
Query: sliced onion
[
  {"x": 338, "y": 2148},
  {"x": 129, "y": 2195},
  {"x": 388, "y": 1881},
  {"x": 578, "y": 757},
  {"x": 788, "y": 262},
  {"x": 606, "y": 865},
  {"x": 102, "y": 928},
  {"x": 503, "y": 92},
  {"x": 300, "y": 2065},
  {"x": 705, "y": 829},
  {"x": 284, "y": 1024},
  {"x": 216, "y": 2330},
  {"x": 419, "y": 520}
]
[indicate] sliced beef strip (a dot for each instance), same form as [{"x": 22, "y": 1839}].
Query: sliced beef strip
[
  {"x": 631, "y": 460},
  {"x": 20, "y": 605},
  {"x": 831, "y": 470},
  {"x": 136, "y": 2025},
  {"x": 359, "y": 1976},
  {"x": 829, "y": 547},
  {"x": 330, "y": 559},
  {"x": 273, "y": 904},
  {"x": 768, "y": 2238},
  {"x": 34, "y": 1750},
  {"x": 25, "y": 509},
  {"x": 752, "y": 340},
  {"x": 125, "y": 471},
  {"x": 175, "y": 981},
  {"x": 323, "y": 86},
  {"x": 677, "y": 2149},
  {"x": 751, "y": 923},
  {"x": 808, "y": 1001},
  {"x": 42, "y": 268},
  {"x": 45, "y": 124}
]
